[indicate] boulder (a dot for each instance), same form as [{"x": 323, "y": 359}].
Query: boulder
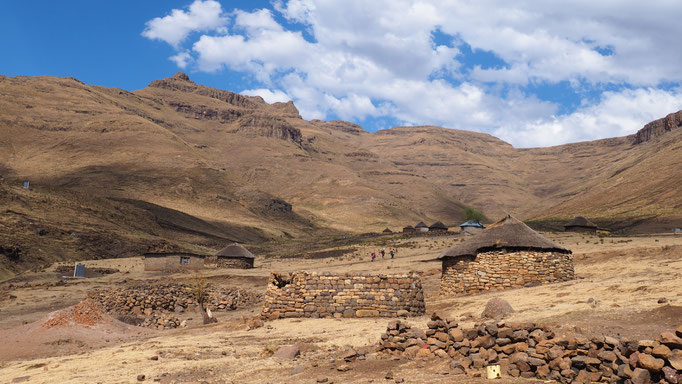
[
  {"x": 671, "y": 375},
  {"x": 651, "y": 363},
  {"x": 661, "y": 351},
  {"x": 366, "y": 313},
  {"x": 640, "y": 376},
  {"x": 678, "y": 331},
  {"x": 456, "y": 334},
  {"x": 497, "y": 308},
  {"x": 287, "y": 352},
  {"x": 675, "y": 359},
  {"x": 670, "y": 340}
]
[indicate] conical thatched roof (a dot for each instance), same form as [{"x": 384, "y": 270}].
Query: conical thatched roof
[
  {"x": 506, "y": 233},
  {"x": 580, "y": 221},
  {"x": 387, "y": 230},
  {"x": 421, "y": 224},
  {"x": 235, "y": 250},
  {"x": 438, "y": 225}
]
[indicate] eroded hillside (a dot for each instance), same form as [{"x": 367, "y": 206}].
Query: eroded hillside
[{"x": 234, "y": 161}]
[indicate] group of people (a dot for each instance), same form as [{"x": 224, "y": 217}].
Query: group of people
[{"x": 382, "y": 253}]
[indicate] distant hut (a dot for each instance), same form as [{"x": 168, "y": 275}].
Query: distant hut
[
  {"x": 408, "y": 229},
  {"x": 472, "y": 226},
  {"x": 173, "y": 261},
  {"x": 508, "y": 254},
  {"x": 387, "y": 231},
  {"x": 234, "y": 256},
  {"x": 580, "y": 224},
  {"x": 438, "y": 227},
  {"x": 421, "y": 227}
]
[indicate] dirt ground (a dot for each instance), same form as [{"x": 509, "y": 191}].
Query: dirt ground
[{"x": 619, "y": 284}]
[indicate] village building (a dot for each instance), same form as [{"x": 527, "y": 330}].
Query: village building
[
  {"x": 387, "y": 231},
  {"x": 234, "y": 256},
  {"x": 438, "y": 226},
  {"x": 409, "y": 229},
  {"x": 508, "y": 254},
  {"x": 421, "y": 227},
  {"x": 173, "y": 261},
  {"x": 580, "y": 224},
  {"x": 472, "y": 226}
]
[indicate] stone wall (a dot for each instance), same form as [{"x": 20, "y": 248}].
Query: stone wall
[
  {"x": 499, "y": 270},
  {"x": 532, "y": 350},
  {"x": 309, "y": 294}
]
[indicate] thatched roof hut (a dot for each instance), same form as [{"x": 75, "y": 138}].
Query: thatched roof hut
[
  {"x": 235, "y": 255},
  {"x": 438, "y": 226},
  {"x": 387, "y": 230},
  {"x": 508, "y": 254},
  {"x": 472, "y": 226},
  {"x": 507, "y": 234},
  {"x": 580, "y": 223},
  {"x": 408, "y": 229},
  {"x": 421, "y": 227}
]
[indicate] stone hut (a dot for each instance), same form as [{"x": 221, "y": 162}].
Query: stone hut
[
  {"x": 438, "y": 226},
  {"x": 173, "y": 261},
  {"x": 234, "y": 256},
  {"x": 408, "y": 229},
  {"x": 472, "y": 226},
  {"x": 387, "y": 231},
  {"x": 580, "y": 224},
  {"x": 421, "y": 227},
  {"x": 508, "y": 254}
]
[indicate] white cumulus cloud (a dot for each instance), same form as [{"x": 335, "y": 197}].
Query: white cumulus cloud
[
  {"x": 202, "y": 16},
  {"x": 410, "y": 61},
  {"x": 269, "y": 96}
]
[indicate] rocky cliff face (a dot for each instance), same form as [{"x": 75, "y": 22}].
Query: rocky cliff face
[{"x": 658, "y": 127}]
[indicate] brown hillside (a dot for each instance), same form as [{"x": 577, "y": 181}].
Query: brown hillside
[{"x": 242, "y": 169}]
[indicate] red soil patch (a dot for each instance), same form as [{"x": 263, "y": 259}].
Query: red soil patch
[{"x": 86, "y": 313}]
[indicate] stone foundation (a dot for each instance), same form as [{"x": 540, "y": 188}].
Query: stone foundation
[
  {"x": 327, "y": 295},
  {"x": 499, "y": 270}
]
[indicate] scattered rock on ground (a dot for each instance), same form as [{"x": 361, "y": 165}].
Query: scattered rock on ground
[{"x": 497, "y": 308}]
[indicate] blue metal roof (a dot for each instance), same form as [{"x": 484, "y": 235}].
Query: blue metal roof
[{"x": 472, "y": 223}]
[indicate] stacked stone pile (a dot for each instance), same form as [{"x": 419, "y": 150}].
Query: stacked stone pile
[
  {"x": 534, "y": 351},
  {"x": 157, "y": 301},
  {"x": 159, "y": 321},
  {"x": 311, "y": 294}
]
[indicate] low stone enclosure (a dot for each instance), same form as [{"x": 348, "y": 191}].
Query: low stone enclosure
[
  {"x": 158, "y": 305},
  {"x": 499, "y": 270},
  {"x": 535, "y": 351},
  {"x": 506, "y": 255},
  {"x": 327, "y": 295}
]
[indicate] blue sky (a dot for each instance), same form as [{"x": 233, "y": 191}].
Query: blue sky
[{"x": 531, "y": 73}]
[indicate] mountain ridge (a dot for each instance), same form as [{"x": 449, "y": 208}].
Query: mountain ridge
[{"x": 238, "y": 161}]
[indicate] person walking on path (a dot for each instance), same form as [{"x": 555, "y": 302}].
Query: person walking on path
[
  {"x": 383, "y": 253},
  {"x": 392, "y": 253},
  {"x": 373, "y": 256}
]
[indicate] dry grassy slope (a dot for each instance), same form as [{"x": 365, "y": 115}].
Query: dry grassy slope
[
  {"x": 228, "y": 158},
  {"x": 47, "y": 224}
]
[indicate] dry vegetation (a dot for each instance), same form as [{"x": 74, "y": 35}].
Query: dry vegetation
[{"x": 619, "y": 284}]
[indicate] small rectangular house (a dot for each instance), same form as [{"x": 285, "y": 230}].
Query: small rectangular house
[{"x": 173, "y": 261}]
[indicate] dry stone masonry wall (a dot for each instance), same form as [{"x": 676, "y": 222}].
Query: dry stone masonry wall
[
  {"x": 499, "y": 270},
  {"x": 534, "y": 351},
  {"x": 156, "y": 305},
  {"x": 309, "y": 294}
]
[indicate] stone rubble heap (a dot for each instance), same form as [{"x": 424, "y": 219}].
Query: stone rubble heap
[
  {"x": 534, "y": 351},
  {"x": 157, "y": 302}
]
